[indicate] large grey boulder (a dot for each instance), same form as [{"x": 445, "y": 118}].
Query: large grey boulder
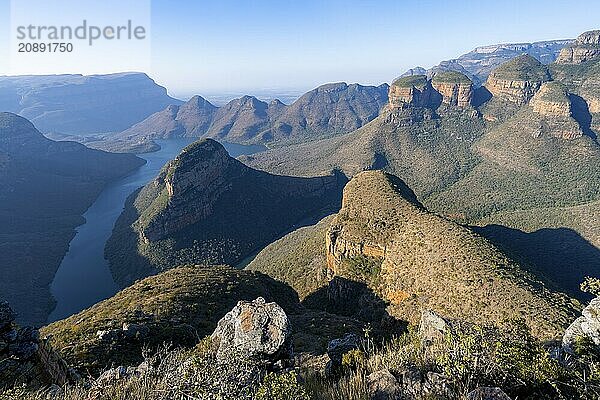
[
  {"x": 433, "y": 327},
  {"x": 254, "y": 330},
  {"x": 586, "y": 326}
]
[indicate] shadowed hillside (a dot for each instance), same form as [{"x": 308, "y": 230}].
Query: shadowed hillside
[
  {"x": 206, "y": 207},
  {"x": 46, "y": 187}
]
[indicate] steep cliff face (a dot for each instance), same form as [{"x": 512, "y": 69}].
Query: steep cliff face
[
  {"x": 448, "y": 87},
  {"x": 585, "y": 48},
  {"x": 414, "y": 90},
  {"x": 206, "y": 206},
  {"x": 456, "y": 89},
  {"x": 192, "y": 184},
  {"x": 518, "y": 79},
  {"x": 429, "y": 261},
  {"x": 552, "y": 103}
]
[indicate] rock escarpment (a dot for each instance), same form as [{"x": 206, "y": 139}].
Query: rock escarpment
[
  {"x": 207, "y": 207},
  {"x": 552, "y": 103},
  {"x": 415, "y": 257},
  {"x": 195, "y": 183},
  {"x": 456, "y": 89},
  {"x": 481, "y": 61},
  {"x": 585, "y": 48},
  {"x": 518, "y": 79},
  {"x": 447, "y": 87}
]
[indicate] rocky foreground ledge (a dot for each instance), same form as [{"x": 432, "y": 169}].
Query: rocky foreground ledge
[{"x": 250, "y": 356}]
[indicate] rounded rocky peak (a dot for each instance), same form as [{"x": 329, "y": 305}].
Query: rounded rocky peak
[
  {"x": 589, "y": 38},
  {"x": 451, "y": 77},
  {"x": 204, "y": 149},
  {"x": 521, "y": 68},
  {"x": 417, "y": 81},
  {"x": 380, "y": 186},
  {"x": 276, "y": 102},
  {"x": 249, "y": 101}
]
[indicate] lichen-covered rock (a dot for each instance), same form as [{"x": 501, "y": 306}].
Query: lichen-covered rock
[
  {"x": 487, "y": 393},
  {"x": 587, "y": 326},
  {"x": 585, "y": 48},
  {"x": 432, "y": 327},
  {"x": 256, "y": 330},
  {"x": 112, "y": 376},
  {"x": 417, "y": 385},
  {"x": 518, "y": 79}
]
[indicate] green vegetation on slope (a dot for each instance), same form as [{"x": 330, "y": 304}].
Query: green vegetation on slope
[
  {"x": 298, "y": 259},
  {"x": 179, "y": 306},
  {"x": 450, "y": 77},
  {"x": 418, "y": 81},
  {"x": 524, "y": 68}
]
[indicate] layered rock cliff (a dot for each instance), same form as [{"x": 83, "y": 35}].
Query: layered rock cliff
[
  {"x": 428, "y": 261},
  {"x": 585, "y": 48},
  {"x": 553, "y": 104},
  {"x": 456, "y": 88},
  {"x": 518, "y": 79},
  {"x": 413, "y": 90}
]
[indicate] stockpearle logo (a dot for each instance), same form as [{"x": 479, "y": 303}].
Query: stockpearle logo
[{"x": 83, "y": 36}]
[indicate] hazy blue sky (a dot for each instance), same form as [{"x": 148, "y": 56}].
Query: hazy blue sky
[{"x": 209, "y": 46}]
